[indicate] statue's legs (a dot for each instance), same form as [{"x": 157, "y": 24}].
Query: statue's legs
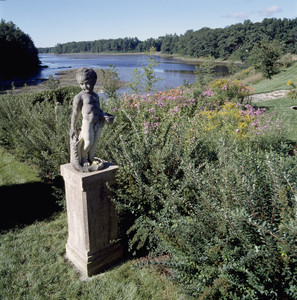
[
  {"x": 87, "y": 135},
  {"x": 97, "y": 135}
]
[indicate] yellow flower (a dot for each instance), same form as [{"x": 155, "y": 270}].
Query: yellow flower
[{"x": 290, "y": 82}]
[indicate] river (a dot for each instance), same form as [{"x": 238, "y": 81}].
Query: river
[{"x": 172, "y": 72}]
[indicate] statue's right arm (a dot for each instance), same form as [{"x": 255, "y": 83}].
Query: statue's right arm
[{"x": 76, "y": 110}]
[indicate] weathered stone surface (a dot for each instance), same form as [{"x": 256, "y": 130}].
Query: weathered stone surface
[{"x": 92, "y": 243}]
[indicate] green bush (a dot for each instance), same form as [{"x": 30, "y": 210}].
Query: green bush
[
  {"x": 233, "y": 90},
  {"x": 236, "y": 238},
  {"x": 221, "y": 209},
  {"x": 37, "y": 129},
  {"x": 60, "y": 94}
]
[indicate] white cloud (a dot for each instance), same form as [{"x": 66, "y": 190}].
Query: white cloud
[
  {"x": 237, "y": 15},
  {"x": 269, "y": 11}
]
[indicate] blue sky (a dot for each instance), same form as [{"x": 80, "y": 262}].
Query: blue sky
[{"x": 49, "y": 22}]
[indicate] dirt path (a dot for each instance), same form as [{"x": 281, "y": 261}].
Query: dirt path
[{"x": 268, "y": 96}]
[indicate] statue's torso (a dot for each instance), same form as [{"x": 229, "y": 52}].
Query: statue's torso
[{"x": 91, "y": 111}]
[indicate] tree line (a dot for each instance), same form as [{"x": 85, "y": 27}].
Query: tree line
[
  {"x": 233, "y": 41},
  {"x": 124, "y": 45}
]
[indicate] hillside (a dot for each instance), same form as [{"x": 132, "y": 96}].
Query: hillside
[{"x": 235, "y": 41}]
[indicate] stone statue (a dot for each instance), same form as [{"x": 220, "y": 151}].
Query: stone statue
[{"x": 83, "y": 142}]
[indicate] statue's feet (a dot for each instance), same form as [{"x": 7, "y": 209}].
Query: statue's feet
[
  {"x": 85, "y": 162},
  {"x": 98, "y": 163}
]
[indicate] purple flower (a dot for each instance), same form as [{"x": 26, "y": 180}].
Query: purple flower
[{"x": 209, "y": 92}]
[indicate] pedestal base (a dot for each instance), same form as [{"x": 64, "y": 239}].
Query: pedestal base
[
  {"x": 97, "y": 262},
  {"x": 92, "y": 244}
]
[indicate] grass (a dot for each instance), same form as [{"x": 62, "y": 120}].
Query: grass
[
  {"x": 282, "y": 109},
  {"x": 278, "y": 81},
  {"x": 33, "y": 267},
  {"x": 13, "y": 171},
  {"x": 282, "y": 106},
  {"x": 32, "y": 264}
]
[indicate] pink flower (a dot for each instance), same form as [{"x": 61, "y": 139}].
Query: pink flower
[{"x": 209, "y": 92}]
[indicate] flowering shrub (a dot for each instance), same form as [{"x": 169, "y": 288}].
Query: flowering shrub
[
  {"x": 226, "y": 89},
  {"x": 209, "y": 92},
  {"x": 241, "y": 123},
  {"x": 152, "y": 110}
]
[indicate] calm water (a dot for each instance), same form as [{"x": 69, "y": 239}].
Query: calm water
[{"x": 172, "y": 72}]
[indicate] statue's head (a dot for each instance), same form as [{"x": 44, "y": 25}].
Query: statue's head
[{"x": 85, "y": 75}]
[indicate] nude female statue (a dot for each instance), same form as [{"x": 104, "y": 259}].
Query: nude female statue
[{"x": 83, "y": 143}]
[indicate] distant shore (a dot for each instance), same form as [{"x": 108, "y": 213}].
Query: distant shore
[
  {"x": 198, "y": 60},
  {"x": 185, "y": 59}
]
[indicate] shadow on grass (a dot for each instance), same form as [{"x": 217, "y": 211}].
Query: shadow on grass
[{"x": 23, "y": 204}]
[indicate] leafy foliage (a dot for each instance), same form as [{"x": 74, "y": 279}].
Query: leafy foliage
[
  {"x": 37, "y": 128},
  {"x": 144, "y": 79},
  {"x": 264, "y": 57},
  {"x": 230, "y": 240},
  {"x": 110, "y": 81},
  {"x": 226, "y": 89},
  {"x": 221, "y": 209}
]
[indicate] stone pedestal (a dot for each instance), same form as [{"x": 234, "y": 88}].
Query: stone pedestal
[{"x": 92, "y": 219}]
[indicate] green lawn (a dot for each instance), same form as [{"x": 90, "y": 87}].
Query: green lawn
[
  {"x": 282, "y": 109},
  {"x": 14, "y": 172},
  {"x": 32, "y": 266},
  {"x": 278, "y": 81}
]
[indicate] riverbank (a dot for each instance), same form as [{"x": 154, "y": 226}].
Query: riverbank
[
  {"x": 198, "y": 60},
  {"x": 185, "y": 59},
  {"x": 63, "y": 78}
]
